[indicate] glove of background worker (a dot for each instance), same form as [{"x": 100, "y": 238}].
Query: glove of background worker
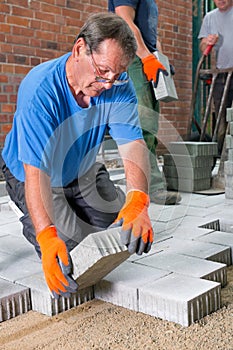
[
  {"x": 56, "y": 263},
  {"x": 137, "y": 232},
  {"x": 152, "y": 67}
]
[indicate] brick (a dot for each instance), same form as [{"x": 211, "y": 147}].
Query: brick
[
  {"x": 219, "y": 237},
  {"x": 97, "y": 255},
  {"x": 229, "y": 141}
]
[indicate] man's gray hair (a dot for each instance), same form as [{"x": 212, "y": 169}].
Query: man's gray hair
[{"x": 106, "y": 25}]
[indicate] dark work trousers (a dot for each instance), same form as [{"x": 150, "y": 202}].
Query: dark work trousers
[
  {"x": 219, "y": 85},
  {"x": 87, "y": 205}
]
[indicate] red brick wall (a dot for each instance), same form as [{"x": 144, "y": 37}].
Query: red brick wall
[{"x": 34, "y": 31}]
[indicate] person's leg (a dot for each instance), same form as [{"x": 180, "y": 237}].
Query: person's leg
[
  {"x": 88, "y": 205},
  {"x": 148, "y": 108}
]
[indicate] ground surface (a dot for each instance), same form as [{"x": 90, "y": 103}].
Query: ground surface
[{"x": 102, "y": 326}]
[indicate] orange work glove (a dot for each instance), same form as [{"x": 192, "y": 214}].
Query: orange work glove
[
  {"x": 137, "y": 232},
  {"x": 152, "y": 67},
  {"x": 56, "y": 263}
]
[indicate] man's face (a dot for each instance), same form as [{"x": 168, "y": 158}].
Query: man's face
[
  {"x": 107, "y": 63},
  {"x": 223, "y": 5}
]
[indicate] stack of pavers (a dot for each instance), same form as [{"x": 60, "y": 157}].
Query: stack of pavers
[
  {"x": 188, "y": 167},
  {"x": 228, "y": 165}
]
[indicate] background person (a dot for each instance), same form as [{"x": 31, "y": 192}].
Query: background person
[
  {"x": 142, "y": 17},
  {"x": 217, "y": 30},
  {"x": 64, "y": 107}
]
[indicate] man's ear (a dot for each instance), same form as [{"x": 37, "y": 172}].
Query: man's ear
[{"x": 79, "y": 48}]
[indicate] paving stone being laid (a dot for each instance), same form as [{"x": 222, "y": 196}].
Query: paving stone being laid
[
  {"x": 43, "y": 302},
  {"x": 97, "y": 255},
  {"x": 120, "y": 286},
  {"x": 186, "y": 265},
  {"x": 14, "y": 300},
  {"x": 180, "y": 299}
]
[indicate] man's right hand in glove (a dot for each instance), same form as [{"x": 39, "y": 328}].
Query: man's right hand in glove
[
  {"x": 152, "y": 67},
  {"x": 56, "y": 263}
]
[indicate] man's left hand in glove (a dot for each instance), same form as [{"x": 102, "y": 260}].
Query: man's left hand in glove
[{"x": 137, "y": 232}]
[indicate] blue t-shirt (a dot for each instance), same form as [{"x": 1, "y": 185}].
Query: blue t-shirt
[
  {"x": 146, "y": 18},
  {"x": 53, "y": 133}
]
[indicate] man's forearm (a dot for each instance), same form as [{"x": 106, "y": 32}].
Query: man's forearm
[
  {"x": 38, "y": 197},
  {"x": 135, "y": 157}
]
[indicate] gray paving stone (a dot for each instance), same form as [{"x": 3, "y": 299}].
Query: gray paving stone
[
  {"x": 194, "y": 148},
  {"x": 18, "y": 246},
  {"x": 179, "y": 299},
  {"x": 43, "y": 302},
  {"x": 219, "y": 237},
  {"x": 187, "y": 232},
  {"x": 187, "y": 185},
  {"x": 97, "y": 255},
  {"x": 180, "y": 160},
  {"x": 229, "y": 115},
  {"x": 14, "y": 300},
  {"x": 186, "y": 265},
  {"x": 187, "y": 173},
  {"x": 14, "y": 267},
  {"x": 229, "y": 155},
  {"x": 12, "y": 228},
  {"x": 202, "y": 250},
  {"x": 229, "y": 141},
  {"x": 120, "y": 286},
  {"x": 7, "y": 216}
]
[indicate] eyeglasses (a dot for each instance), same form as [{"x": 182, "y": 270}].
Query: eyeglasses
[{"x": 99, "y": 79}]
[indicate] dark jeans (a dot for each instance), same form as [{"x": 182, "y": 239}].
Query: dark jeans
[{"x": 86, "y": 205}]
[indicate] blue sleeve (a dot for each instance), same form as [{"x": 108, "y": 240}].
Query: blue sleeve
[
  {"x": 112, "y": 4},
  {"x": 124, "y": 124}
]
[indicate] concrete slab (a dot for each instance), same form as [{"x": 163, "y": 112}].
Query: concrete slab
[
  {"x": 13, "y": 267},
  {"x": 97, "y": 255},
  {"x": 18, "y": 246},
  {"x": 194, "y": 148},
  {"x": 14, "y": 300},
  {"x": 42, "y": 301},
  {"x": 186, "y": 265},
  {"x": 202, "y": 250},
  {"x": 179, "y": 299},
  {"x": 219, "y": 237},
  {"x": 120, "y": 286}
]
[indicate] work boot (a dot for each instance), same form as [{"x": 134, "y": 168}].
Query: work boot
[{"x": 165, "y": 197}]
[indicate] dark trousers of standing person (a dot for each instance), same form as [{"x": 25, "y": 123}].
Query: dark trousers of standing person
[{"x": 86, "y": 205}]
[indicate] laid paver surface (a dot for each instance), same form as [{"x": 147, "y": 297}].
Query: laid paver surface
[{"x": 178, "y": 280}]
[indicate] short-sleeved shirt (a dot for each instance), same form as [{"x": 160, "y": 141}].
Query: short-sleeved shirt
[
  {"x": 53, "y": 133},
  {"x": 146, "y": 18},
  {"x": 221, "y": 23}
]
